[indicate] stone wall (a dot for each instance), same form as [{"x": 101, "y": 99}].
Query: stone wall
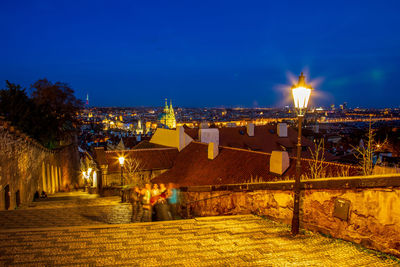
[
  {"x": 27, "y": 167},
  {"x": 373, "y": 219}
]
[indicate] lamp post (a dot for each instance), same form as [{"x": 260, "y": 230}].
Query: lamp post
[
  {"x": 301, "y": 94},
  {"x": 121, "y": 163}
]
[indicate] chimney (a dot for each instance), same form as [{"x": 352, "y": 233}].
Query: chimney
[
  {"x": 250, "y": 129},
  {"x": 209, "y": 135},
  {"x": 279, "y": 162},
  {"x": 212, "y": 150},
  {"x": 282, "y": 129}
]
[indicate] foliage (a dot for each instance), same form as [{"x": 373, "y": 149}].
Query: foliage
[
  {"x": 48, "y": 116},
  {"x": 16, "y": 106},
  {"x": 59, "y": 105}
]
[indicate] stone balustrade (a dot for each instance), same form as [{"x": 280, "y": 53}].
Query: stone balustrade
[{"x": 364, "y": 210}]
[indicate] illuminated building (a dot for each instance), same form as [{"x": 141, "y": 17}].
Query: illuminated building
[{"x": 167, "y": 117}]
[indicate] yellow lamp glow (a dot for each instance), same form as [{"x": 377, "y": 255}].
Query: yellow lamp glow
[
  {"x": 121, "y": 161},
  {"x": 301, "y": 94}
]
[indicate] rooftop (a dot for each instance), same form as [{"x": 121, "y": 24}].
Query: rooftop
[{"x": 233, "y": 165}]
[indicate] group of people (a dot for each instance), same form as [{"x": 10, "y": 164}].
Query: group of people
[{"x": 155, "y": 203}]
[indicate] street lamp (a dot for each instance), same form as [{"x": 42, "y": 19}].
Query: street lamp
[
  {"x": 121, "y": 163},
  {"x": 301, "y": 94}
]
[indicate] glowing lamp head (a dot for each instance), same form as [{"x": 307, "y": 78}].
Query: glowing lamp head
[
  {"x": 121, "y": 161},
  {"x": 301, "y": 94}
]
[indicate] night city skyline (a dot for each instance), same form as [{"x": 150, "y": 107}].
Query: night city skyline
[{"x": 205, "y": 54}]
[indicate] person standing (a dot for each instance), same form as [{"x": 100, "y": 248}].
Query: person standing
[
  {"x": 136, "y": 200},
  {"x": 155, "y": 191},
  {"x": 161, "y": 206},
  {"x": 146, "y": 203},
  {"x": 173, "y": 200}
]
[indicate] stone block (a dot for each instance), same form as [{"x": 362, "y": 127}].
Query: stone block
[
  {"x": 212, "y": 150},
  {"x": 209, "y": 135},
  {"x": 279, "y": 162},
  {"x": 250, "y": 129}
]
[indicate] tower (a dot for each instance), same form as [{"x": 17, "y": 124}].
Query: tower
[{"x": 167, "y": 118}]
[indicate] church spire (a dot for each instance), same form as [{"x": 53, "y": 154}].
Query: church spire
[
  {"x": 167, "y": 117},
  {"x": 166, "y": 105}
]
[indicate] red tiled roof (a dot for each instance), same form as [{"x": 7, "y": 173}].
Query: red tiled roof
[
  {"x": 148, "y": 145},
  {"x": 150, "y": 159},
  {"x": 192, "y": 132},
  {"x": 130, "y": 141},
  {"x": 192, "y": 167},
  {"x": 265, "y": 139}
]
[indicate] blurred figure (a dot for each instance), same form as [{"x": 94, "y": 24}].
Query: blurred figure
[
  {"x": 161, "y": 206},
  {"x": 173, "y": 200},
  {"x": 137, "y": 209},
  {"x": 162, "y": 189},
  {"x": 146, "y": 217},
  {"x": 155, "y": 191}
]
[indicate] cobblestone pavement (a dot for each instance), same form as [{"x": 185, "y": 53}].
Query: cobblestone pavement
[
  {"x": 212, "y": 241},
  {"x": 68, "y": 209}
]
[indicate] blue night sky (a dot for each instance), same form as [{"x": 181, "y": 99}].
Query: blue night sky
[{"x": 205, "y": 53}]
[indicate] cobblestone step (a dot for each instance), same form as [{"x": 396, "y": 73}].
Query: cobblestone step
[
  {"x": 236, "y": 240},
  {"x": 77, "y": 229}
]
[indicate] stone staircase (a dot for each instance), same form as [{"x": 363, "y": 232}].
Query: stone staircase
[
  {"x": 211, "y": 241},
  {"x": 77, "y": 229}
]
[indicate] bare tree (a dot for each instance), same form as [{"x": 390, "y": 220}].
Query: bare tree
[
  {"x": 317, "y": 158},
  {"x": 365, "y": 152},
  {"x": 131, "y": 167},
  {"x": 255, "y": 179},
  {"x": 344, "y": 171}
]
